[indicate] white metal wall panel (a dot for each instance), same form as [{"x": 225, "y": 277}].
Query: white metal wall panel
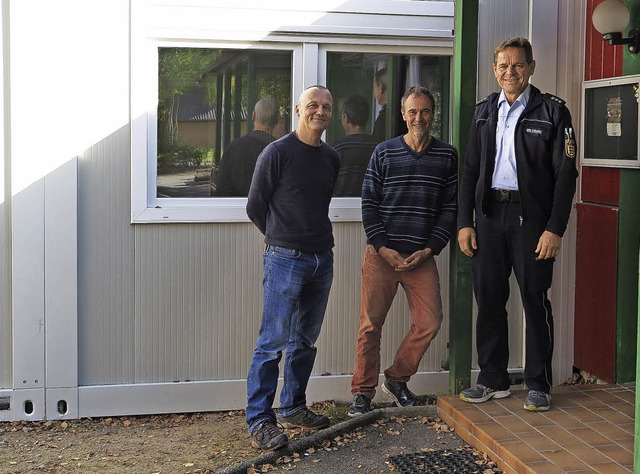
[
  {"x": 497, "y": 20},
  {"x": 570, "y": 31},
  {"x": 61, "y": 279},
  {"x": 197, "y": 19},
  {"x": 106, "y": 271},
  {"x": 5, "y": 298},
  {"x": 198, "y": 300},
  {"x": 5, "y": 231}
]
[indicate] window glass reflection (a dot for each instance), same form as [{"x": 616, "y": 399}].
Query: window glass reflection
[
  {"x": 217, "y": 110},
  {"x": 367, "y": 88}
]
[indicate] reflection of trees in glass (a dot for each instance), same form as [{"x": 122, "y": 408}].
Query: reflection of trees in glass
[
  {"x": 219, "y": 85},
  {"x": 278, "y": 86},
  {"x": 179, "y": 70}
]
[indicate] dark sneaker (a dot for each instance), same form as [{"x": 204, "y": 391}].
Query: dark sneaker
[
  {"x": 537, "y": 401},
  {"x": 480, "y": 393},
  {"x": 304, "y": 418},
  {"x": 360, "y": 405},
  {"x": 400, "y": 393},
  {"x": 268, "y": 436}
]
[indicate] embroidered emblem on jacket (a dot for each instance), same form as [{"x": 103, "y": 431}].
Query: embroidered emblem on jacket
[{"x": 569, "y": 143}]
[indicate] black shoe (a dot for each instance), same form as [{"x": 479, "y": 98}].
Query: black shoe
[
  {"x": 268, "y": 436},
  {"x": 400, "y": 393},
  {"x": 304, "y": 418},
  {"x": 361, "y": 404}
]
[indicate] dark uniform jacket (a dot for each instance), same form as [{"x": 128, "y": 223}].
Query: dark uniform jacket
[{"x": 545, "y": 152}]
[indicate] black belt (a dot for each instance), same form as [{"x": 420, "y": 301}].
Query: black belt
[{"x": 505, "y": 195}]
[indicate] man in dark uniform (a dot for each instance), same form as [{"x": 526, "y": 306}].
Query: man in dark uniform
[{"x": 520, "y": 178}]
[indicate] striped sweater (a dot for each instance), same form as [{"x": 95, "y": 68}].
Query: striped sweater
[{"x": 409, "y": 198}]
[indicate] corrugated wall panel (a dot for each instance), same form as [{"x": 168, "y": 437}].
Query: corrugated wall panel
[
  {"x": 571, "y": 30},
  {"x": 105, "y": 263},
  {"x": 198, "y": 301},
  {"x": 5, "y": 299},
  {"x": 499, "y": 20}
]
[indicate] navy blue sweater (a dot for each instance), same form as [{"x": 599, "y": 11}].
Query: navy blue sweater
[
  {"x": 290, "y": 194},
  {"x": 409, "y": 198}
]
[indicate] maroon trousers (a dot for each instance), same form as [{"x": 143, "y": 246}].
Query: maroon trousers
[{"x": 379, "y": 287}]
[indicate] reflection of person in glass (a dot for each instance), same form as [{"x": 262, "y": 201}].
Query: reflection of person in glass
[
  {"x": 380, "y": 93},
  {"x": 289, "y": 203},
  {"x": 515, "y": 200},
  {"x": 239, "y": 159},
  {"x": 408, "y": 214},
  {"x": 355, "y": 149}
]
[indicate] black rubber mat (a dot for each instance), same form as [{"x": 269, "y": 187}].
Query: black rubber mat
[{"x": 446, "y": 461}]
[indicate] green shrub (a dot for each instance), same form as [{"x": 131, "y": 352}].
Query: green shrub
[{"x": 181, "y": 157}]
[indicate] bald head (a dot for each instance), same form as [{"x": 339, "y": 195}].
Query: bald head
[
  {"x": 266, "y": 114},
  {"x": 315, "y": 107}
]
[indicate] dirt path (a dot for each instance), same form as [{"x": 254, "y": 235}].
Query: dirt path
[{"x": 193, "y": 443}]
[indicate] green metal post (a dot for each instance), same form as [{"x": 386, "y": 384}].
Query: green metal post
[
  {"x": 636, "y": 434},
  {"x": 464, "y": 99}
]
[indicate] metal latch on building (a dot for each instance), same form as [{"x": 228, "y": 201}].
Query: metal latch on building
[{"x": 5, "y": 403}]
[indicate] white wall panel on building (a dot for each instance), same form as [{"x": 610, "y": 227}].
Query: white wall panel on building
[
  {"x": 106, "y": 271},
  {"x": 61, "y": 279},
  {"x": 571, "y": 31},
  {"x": 198, "y": 300},
  {"x": 5, "y": 203},
  {"x": 5, "y": 298},
  {"x": 498, "y": 21},
  {"x": 203, "y": 19}
]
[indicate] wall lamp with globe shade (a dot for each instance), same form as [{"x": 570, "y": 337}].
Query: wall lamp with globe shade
[{"x": 610, "y": 18}]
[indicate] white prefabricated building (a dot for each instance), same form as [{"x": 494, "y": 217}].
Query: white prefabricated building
[{"x": 114, "y": 301}]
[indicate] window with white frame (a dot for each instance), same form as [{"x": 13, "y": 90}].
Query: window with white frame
[{"x": 197, "y": 82}]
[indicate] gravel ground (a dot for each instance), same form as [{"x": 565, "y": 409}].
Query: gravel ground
[{"x": 205, "y": 443}]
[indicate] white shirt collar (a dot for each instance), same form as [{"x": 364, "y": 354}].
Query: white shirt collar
[{"x": 522, "y": 98}]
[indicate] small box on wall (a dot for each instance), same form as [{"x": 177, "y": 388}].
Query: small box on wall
[{"x": 610, "y": 122}]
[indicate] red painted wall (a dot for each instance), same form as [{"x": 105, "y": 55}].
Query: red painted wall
[
  {"x": 595, "y": 322},
  {"x": 597, "y": 234},
  {"x": 600, "y": 185},
  {"x": 601, "y": 60}
]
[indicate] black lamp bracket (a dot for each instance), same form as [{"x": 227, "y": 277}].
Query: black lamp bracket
[{"x": 633, "y": 40}]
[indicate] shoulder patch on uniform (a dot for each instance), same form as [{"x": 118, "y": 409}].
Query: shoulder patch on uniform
[
  {"x": 553, "y": 99},
  {"x": 481, "y": 101}
]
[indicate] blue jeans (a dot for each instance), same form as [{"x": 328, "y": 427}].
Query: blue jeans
[{"x": 296, "y": 290}]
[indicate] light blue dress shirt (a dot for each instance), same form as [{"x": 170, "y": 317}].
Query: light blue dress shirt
[{"x": 505, "y": 175}]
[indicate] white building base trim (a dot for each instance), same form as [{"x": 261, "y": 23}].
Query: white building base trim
[
  {"x": 23, "y": 405},
  {"x": 62, "y": 403},
  {"x": 186, "y": 397},
  {"x": 183, "y": 397}
]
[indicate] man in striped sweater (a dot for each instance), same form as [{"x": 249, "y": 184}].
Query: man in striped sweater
[{"x": 408, "y": 213}]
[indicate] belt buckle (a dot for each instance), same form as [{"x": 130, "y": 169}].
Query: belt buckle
[{"x": 504, "y": 195}]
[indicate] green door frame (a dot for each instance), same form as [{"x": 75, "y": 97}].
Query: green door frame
[{"x": 465, "y": 55}]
